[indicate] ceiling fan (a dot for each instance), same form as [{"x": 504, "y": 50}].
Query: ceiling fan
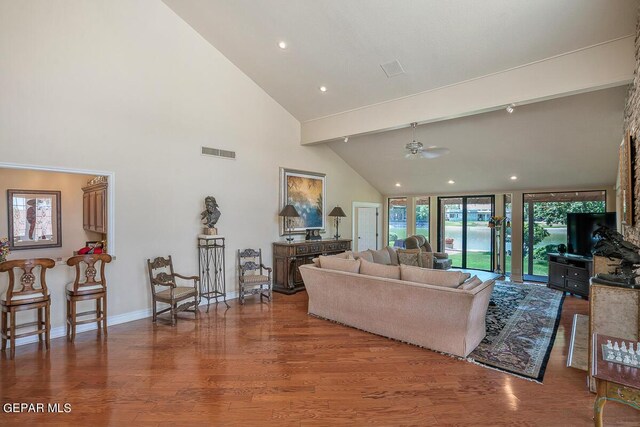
[{"x": 417, "y": 150}]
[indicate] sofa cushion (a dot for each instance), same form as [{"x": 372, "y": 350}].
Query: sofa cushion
[
  {"x": 379, "y": 270},
  {"x": 381, "y": 256},
  {"x": 339, "y": 264},
  {"x": 393, "y": 256},
  {"x": 450, "y": 279},
  {"x": 344, "y": 255},
  {"x": 469, "y": 284},
  {"x": 367, "y": 255},
  {"x": 409, "y": 257}
]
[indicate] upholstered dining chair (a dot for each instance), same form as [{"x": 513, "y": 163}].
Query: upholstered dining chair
[
  {"x": 29, "y": 295},
  {"x": 252, "y": 278},
  {"x": 162, "y": 276},
  {"x": 92, "y": 286}
]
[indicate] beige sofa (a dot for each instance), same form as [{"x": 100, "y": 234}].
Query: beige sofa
[{"x": 444, "y": 319}]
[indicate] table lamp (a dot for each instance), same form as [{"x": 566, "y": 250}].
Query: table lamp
[
  {"x": 287, "y": 213},
  {"x": 338, "y": 213}
]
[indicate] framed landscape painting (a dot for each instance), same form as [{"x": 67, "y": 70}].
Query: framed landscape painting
[
  {"x": 34, "y": 219},
  {"x": 306, "y": 192}
]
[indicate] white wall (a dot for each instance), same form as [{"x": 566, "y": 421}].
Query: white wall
[{"x": 126, "y": 86}]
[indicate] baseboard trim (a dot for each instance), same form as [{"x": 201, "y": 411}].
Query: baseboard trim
[{"x": 61, "y": 331}]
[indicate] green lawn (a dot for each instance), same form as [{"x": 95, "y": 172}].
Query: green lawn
[{"x": 475, "y": 260}]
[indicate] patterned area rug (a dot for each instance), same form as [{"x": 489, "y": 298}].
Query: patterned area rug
[{"x": 521, "y": 328}]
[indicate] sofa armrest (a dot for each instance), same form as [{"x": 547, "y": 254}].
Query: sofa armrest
[
  {"x": 441, "y": 255},
  {"x": 426, "y": 259}
]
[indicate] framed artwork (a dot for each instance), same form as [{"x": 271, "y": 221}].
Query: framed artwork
[
  {"x": 306, "y": 191},
  {"x": 35, "y": 220},
  {"x": 628, "y": 178}
]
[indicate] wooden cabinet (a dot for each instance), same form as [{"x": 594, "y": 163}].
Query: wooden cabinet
[
  {"x": 94, "y": 207},
  {"x": 287, "y": 257},
  {"x": 570, "y": 274}
]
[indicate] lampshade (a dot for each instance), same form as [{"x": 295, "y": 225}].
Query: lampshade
[
  {"x": 289, "y": 211},
  {"x": 337, "y": 211}
]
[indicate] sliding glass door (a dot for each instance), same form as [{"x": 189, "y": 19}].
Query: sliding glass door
[
  {"x": 545, "y": 225},
  {"x": 463, "y": 230}
]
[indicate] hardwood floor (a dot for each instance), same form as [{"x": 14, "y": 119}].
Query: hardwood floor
[{"x": 272, "y": 364}]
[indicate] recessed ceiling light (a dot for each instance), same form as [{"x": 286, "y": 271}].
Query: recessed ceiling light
[
  {"x": 282, "y": 44},
  {"x": 513, "y": 177},
  {"x": 451, "y": 181},
  {"x": 323, "y": 88},
  {"x": 398, "y": 184}
]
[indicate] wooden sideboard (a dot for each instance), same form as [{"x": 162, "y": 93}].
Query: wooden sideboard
[{"x": 287, "y": 257}]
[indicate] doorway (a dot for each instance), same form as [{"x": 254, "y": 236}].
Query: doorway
[
  {"x": 366, "y": 226},
  {"x": 463, "y": 232}
]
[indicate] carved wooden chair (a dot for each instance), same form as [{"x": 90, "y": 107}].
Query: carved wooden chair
[
  {"x": 161, "y": 275},
  {"x": 252, "y": 279},
  {"x": 90, "y": 287},
  {"x": 27, "y": 296}
]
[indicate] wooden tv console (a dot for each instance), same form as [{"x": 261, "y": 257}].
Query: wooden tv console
[{"x": 570, "y": 273}]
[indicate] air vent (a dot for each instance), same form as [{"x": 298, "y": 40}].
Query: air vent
[
  {"x": 392, "y": 69},
  {"x": 217, "y": 152}
]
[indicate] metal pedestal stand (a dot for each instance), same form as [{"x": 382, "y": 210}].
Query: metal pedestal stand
[{"x": 211, "y": 267}]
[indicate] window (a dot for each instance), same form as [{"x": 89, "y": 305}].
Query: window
[
  {"x": 545, "y": 225},
  {"x": 397, "y": 219},
  {"x": 422, "y": 216}
]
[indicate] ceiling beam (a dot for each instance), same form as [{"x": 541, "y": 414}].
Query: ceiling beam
[{"x": 596, "y": 67}]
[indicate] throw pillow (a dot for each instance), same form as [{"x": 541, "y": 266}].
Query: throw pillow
[
  {"x": 379, "y": 270},
  {"x": 467, "y": 285},
  {"x": 409, "y": 257},
  {"x": 381, "y": 256},
  {"x": 393, "y": 256},
  {"x": 464, "y": 277},
  {"x": 316, "y": 262},
  {"x": 339, "y": 264},
  {"x": 364, "y": 255},
  {"x": 449, "y": 279}
]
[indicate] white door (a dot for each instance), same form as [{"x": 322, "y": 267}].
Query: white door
[{"x": 367, "y": 229}]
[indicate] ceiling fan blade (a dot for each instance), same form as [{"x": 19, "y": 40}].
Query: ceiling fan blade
[{"x": 435, "y": 152}]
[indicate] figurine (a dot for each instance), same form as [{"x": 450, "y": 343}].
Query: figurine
[
  {"x": 210, "y": 215},
  {"x": 609, "y": 345},
  {"x": 616, "y": 347},
  {"x": 612, "y": 245}
]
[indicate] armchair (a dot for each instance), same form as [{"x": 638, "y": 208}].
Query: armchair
[
  {"x": 430, "y": 259},
  {"x": 161, "y": 275}
]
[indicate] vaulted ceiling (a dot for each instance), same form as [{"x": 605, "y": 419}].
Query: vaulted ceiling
[
  {"x": 341, "y": 44},
  {"x": 565, "y": 130},
  {"x": 567, "y": 142}
]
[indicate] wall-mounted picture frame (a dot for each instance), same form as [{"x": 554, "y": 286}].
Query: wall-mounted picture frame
[
  {"x": 306, "y": 191},
  {"x": 628, "y": 178},
  {"x": 35, "y": 219}
]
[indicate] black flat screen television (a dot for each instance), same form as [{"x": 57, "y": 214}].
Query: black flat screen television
[{"x": 580, "y": 228}]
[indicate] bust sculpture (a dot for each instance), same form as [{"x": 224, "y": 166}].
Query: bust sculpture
[{"x": 210, "y": 215}]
